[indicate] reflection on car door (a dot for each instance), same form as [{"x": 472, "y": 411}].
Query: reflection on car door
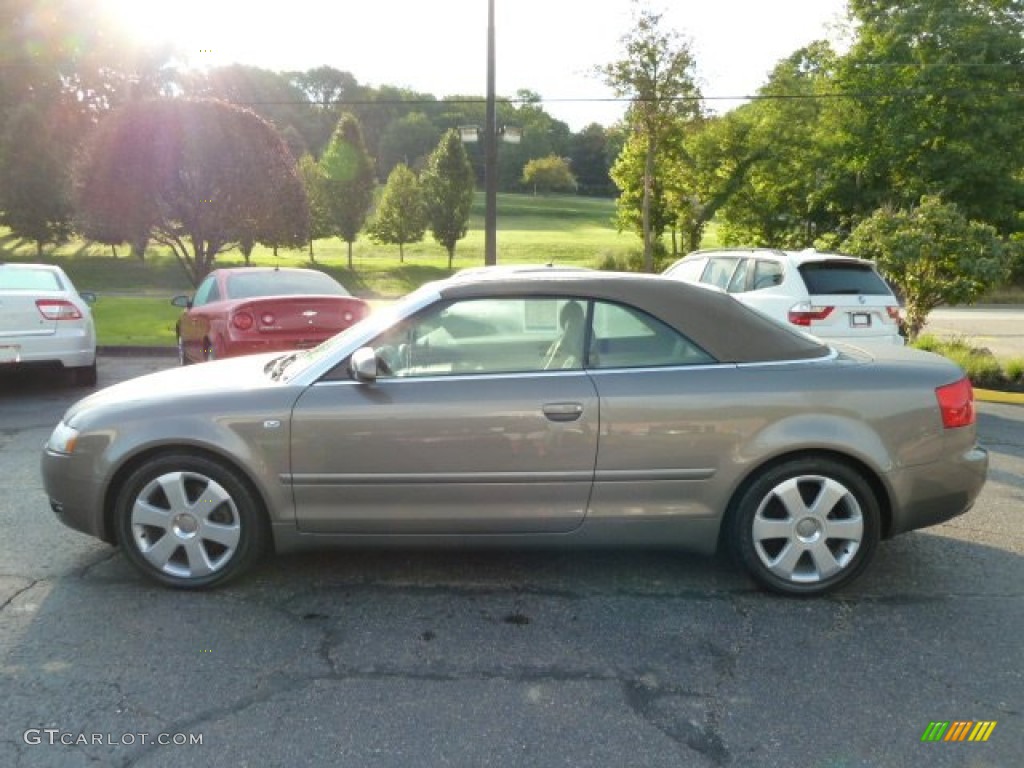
[{"x": 461, "y": 454}]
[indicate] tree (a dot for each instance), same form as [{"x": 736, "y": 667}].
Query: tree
[
  {"x": 933, "y": 106},
  {"x": 34, "y": 195},
  {"x": 315, "y": 184},
  {"x": 401, "y": 217},
  {"x": 933, "y": 254},
  {"x": 549, "y": 174},
  {"x": 326, "y": 89},
  {"x": 707, "y": 167},
  {"x": 590, "y": 161},
  {"x": 657, "y": 74},
  {"x": 448, "y": 192},
  {"x": 349, "y": 181},
  {"x": 783, "y": 142},
  {"x": 197, "y": 176},
  {"x": 407, "y": 140},
  {"x": 269, "y": 94},
  {"x": 641, "y": 207}
]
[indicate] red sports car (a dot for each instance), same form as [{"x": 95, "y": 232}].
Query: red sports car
[{"x": 247, "y": 310}]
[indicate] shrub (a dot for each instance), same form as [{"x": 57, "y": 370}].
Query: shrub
[{"x": 1014, "y": 369}]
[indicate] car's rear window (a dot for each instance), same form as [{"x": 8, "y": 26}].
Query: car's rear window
[
  {"x": 251, "y": 285},
  {"x": 842, "y": 277},
  {"x": 29, "y": 280}
]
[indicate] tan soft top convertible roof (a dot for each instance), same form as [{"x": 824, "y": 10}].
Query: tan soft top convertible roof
[{"x": 727, "y": 330}]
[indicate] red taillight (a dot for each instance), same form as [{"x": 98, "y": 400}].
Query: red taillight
[
  {"x": 956, "y": 402},
  {"x": 894, "y": 313},
  {"x": 802, "y": 314},
  {"x": 242, "y": 321},
  {"x": 58, "y": 309}
]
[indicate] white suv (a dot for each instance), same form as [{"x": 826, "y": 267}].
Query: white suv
[{"x": 835, "y": 297}]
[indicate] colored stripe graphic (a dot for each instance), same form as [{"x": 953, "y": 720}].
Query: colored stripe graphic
[
  {"x": 982, "y": 730},
  {"x": 958, "y": 731}
]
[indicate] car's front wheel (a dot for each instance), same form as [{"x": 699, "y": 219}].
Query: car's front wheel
[
  {"x": 189, "y": 521},
  {"x": 806, "y": 527}
]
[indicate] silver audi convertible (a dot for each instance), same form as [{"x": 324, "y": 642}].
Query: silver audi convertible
[{"x": 529, "y": 407}]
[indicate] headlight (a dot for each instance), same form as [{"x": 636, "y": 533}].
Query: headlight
[{"x": 63, "y": 439}]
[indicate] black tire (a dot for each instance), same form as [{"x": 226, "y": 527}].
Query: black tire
[
  {"x": 84, "y": 376},
  {"x": 827, "y": 519},
  {"x": 189, "y": 522},
  {"x": 182, "y": 357}
]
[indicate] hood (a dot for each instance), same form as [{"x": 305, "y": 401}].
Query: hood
[{"x": 229, "y": 378}]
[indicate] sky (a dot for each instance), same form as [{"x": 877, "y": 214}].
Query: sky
[{"x": 550, "y": 47}]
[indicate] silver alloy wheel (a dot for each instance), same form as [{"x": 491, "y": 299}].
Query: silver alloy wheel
[
  {"x": 185, "y": 525},
  {"x": 808, "y": 528}
]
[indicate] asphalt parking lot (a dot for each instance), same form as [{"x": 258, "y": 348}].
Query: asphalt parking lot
[{"x": 405, "y": 658}]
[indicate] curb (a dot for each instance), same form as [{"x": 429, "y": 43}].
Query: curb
[
  {"x": 995, "y": 396},
  {"x": 137, "y": 351}
]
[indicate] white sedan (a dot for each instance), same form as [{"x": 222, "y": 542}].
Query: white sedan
[{"x": 44, "y": 320}]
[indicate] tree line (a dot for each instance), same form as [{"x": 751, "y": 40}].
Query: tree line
[
  {"x": 918, "y": 122},
  {"x": 907, "y": 148}
]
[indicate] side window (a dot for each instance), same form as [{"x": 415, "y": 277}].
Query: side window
[
  {"x": 719, "y": 271},
  {"x": 689, "y": 269},
  {"x": 624, "y": 337},
  {"x": 738, "y": 284},
  {"x": 483, "y": 336},
  {"x": 766, "y": 274},
  {"x": 207, "y": 292}
]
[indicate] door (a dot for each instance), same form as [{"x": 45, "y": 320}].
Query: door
[{"x": 467, "y": 429}]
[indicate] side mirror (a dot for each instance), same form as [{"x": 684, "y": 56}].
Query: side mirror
[
  {"x": 363, "y": 365},
  {"x": 88, "y": 297},
  {"x": 182, "y": 301}
]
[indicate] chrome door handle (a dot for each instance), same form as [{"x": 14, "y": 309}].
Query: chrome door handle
[{"x": 563, "y": 411}]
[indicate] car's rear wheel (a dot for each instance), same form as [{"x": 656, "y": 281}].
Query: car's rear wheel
[
  {"x": 84, "y": 376},
  {"x": 806, "y": 527},
  {"x": 182, "y": 357},
  {"x": 189, "y": 521}
]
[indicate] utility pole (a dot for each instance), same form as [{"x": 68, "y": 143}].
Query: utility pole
[{"x": 490, "y": 152}]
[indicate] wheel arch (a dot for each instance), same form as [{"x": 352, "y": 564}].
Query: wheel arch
[
  {"x": 870, "y": 476},
  {"x": 120, "y": 477}
]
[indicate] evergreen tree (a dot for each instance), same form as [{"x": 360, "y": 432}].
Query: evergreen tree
[
  {"x": 401, "y": 217},
  {"x": 349, "y": 181},
  {"x": 448, "y": 192}
]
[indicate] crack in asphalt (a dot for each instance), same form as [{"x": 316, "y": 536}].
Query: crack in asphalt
[
  {"x": 646, "y": 701},
  {"x": 638, "y": 692},
  {"x": 83, "y": 572},
  {"x": 19, "y": 593}
]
